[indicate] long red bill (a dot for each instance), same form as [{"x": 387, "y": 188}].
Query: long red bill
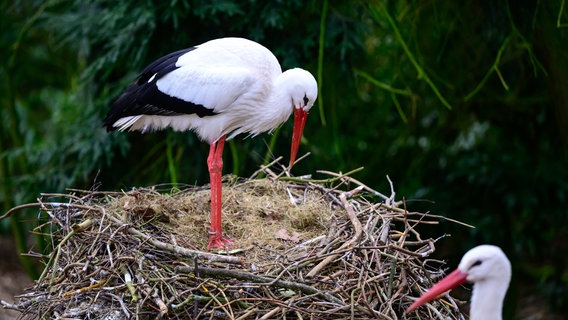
[
  {"x": 451, "y": 281},
  {"x": 300, "y": 117}
]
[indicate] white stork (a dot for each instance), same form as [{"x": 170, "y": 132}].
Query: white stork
[
  {"x": 489, "y": 270},
  {"x": 223, "y": 86}
]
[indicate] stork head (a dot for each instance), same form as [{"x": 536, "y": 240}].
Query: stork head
[
  {"x": 480, "y": 265},
  {"x": 304, "y": 93},
  {"x": 484, "y": 263}
]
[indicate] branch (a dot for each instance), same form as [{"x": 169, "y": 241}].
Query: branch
[
  {"x": 177, "y": 249},
  {"x": 351, "y": 243},
  {"x": 243, "y": 275}
]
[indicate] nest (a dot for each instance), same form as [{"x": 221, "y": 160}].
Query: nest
[{"x": 304, "y": 249}]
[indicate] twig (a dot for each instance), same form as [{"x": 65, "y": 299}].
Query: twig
[
  {"x": 54, "y": 256},
  {"x": 356, "y": 225},
  {"x": 355, "y": 181},
  {"x": 390, "y": 200},
  {"x": 264, "y": 167},
  {"x": 271, "y": 313},
  {"x": 320, "y": 181},
  {"x": 12, "y": 306},
  {"x": 93, "y": 286},
  {"x": 177, "y": 249},
  {"x": 16, "y": 208},
  {"x": 242, "y": 275}
]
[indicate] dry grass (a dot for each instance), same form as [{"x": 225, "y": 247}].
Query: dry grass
[{"x": 305, "y": 249}]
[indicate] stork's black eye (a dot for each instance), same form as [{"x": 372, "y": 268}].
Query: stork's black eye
[
  {"x": 476, "y": 263},
  {"x": 306, "y": 100}
]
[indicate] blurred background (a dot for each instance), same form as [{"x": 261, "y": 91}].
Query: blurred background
[{"x": 463, "y": 104}]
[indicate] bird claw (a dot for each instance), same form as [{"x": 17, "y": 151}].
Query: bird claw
[{"x": 219, "y": 242}]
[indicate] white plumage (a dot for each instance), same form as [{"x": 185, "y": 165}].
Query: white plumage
[
  {"x": 222, "y": 87},
  {"x": 489, "y": 270}
]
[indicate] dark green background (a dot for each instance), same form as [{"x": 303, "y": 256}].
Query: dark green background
[{"x": 463, "y": 104}]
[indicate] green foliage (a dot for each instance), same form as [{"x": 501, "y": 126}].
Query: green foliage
[{"x": 461, "y": 104}]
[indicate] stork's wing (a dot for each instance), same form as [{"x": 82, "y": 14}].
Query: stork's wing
[
  {"x": 214, "y": 87},
  {"x": 190, "y": 81}
]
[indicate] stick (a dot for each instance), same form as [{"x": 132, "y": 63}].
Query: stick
[
  {"x": 336, "y": 177},
  {"x": 263, "y": 168},
  {"x": 350, "y": 244},
  {"x": 243, "y": 275},
  {"x": 177, "y": 249}
]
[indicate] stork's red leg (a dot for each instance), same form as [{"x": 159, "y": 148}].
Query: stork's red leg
[{"x": 215, "y": 164}]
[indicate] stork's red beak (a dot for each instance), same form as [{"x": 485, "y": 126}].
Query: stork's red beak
[
  {"x": 300, "y": 117},
  {"x": 451, "y": 281}
]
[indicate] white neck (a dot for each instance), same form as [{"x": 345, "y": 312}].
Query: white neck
[
  {"x": 278, "y": 106},
  {"x": 487, "y": 299},
  {"x": 267, "y": 115}
]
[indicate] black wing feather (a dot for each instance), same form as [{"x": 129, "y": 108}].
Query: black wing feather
[{"x": 143, "y": 97}]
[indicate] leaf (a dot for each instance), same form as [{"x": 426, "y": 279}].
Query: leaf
[{"x": 283, "y": 234}]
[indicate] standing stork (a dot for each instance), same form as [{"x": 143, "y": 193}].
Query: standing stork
[
  {"x": 489, "y": 270},
  {"x": 223, "y": 86}
]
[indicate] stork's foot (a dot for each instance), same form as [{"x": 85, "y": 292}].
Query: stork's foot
[{"x": 219, "y": 242}]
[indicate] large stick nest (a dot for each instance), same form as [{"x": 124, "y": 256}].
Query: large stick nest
[{"x": 305, "y": 249}]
